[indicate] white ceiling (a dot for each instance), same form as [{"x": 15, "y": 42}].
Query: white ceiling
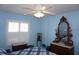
[{"x": 56, "y": 8}]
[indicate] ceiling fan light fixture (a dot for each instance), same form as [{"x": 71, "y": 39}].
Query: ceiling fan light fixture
[
  {"x": 39, "y": 14},
  {"x": 24, "y": 14}
]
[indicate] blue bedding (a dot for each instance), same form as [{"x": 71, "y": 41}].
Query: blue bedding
[
  {"x": 33, "y": 51},
  {"x": 3, "y": 51}
]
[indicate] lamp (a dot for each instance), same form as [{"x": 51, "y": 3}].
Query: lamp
[{"x": 39, "y": 14}]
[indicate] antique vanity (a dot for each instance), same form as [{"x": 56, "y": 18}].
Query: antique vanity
[{"x": 63, "y": 45}]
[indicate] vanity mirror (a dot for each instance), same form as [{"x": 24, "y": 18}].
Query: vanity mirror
[{"x": 63, "y": 32}]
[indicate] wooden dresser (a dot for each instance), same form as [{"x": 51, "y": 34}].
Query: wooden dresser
[{"x": 62, "y": 49}]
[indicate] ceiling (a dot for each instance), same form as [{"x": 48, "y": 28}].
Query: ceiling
[{"x": 56, "y": 8}]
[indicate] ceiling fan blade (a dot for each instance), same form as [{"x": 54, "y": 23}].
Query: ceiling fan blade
[
  {"x": 49, "y": 13},
  {"x": 29, "y": 9},
  {"x": 48, "y": 8},
  {"x": 29, "y": 13}
]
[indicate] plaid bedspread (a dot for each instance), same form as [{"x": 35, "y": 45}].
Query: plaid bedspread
[{"x": 33, "y": 51}]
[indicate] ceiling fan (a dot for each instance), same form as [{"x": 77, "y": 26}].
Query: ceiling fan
[{"x": 40, "y": 11}]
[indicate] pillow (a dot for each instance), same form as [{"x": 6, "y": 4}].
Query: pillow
[{"x": 3, "y": 52}]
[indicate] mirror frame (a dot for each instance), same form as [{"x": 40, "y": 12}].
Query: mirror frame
[{"x": 69, "y": 35}]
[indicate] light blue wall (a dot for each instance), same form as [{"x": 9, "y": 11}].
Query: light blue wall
[
  {"x": 45, "y": 25},
  {"x": 50, "y": 23},
  {"x": 34, "y": 26}
]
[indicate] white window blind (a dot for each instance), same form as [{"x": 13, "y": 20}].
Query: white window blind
[
  {"x": 13, "y": 27},
  {"x": 23, "y": 27}
]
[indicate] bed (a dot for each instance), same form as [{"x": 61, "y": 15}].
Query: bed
[
  {"x": 28, "y": 51},
  {"x": 32, "y": 51}
]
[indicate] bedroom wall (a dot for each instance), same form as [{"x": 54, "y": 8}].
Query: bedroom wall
[
  {"x": 45, "y": 25},
  {"x": 33, "y": 28},
  {"x": 50, "y": 23}
]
